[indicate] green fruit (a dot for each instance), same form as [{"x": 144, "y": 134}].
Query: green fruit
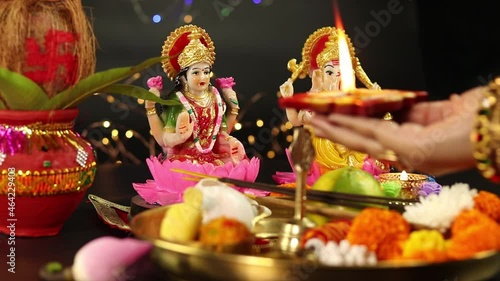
[
  {"x": 327, "y": 181},
  {"x": 350, "y": 180},
  {"x": 356, "y": 181}
]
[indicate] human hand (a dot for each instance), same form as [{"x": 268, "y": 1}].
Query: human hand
[
  {"x": 286, "y": 89},
  {"x": 434, "y": 139}
]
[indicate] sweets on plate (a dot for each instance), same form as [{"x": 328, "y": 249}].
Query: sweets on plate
[{"x": 222, "y": 234}]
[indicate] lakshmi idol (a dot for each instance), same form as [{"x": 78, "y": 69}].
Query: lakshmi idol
[
  {"x": 320, "y": 61},
  {"x": 194, "y": 134},
  {"x": 197, "y": 129}
]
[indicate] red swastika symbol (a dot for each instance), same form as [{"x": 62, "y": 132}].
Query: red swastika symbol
[{"x": 57, "y": 51}]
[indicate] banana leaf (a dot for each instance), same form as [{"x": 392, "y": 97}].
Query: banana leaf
[
  {"x": 94, "y": 84},
  {"x": 18, "y": 92}
]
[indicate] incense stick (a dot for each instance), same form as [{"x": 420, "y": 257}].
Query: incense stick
[{"x": 343, "y": 199}]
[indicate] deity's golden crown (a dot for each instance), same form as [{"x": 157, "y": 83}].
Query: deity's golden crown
[
  {"x": 330, "y": 52},
  {"x": 186, "y": 46},
  {"x": 322, "y": 47},
  {"x": 194, "y": 52}
]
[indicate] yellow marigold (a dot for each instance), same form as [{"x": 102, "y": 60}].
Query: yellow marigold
[
  {"x": 488, "y": 204},
  {"x": 427, "y": 245},
  {"x": 381, "y": 231},
  {"x": 473, "y": 232}
]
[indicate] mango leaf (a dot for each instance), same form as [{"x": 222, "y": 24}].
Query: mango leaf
[
  {"x": 94, "y": 84},
  {"x": 136, "y": 92},
  {"x": 18, "y": 92}
]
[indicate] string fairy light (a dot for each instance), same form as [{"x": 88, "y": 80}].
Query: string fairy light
[{"x": 177, "y": 10}]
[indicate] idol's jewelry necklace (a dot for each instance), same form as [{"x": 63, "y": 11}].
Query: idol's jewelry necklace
[{"x": 202, "y": 100}]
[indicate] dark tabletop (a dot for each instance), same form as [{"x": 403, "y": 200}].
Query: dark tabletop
[{"x": 114, "y": 183}]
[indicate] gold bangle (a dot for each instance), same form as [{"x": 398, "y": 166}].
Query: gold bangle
[
  {"x": 151, "y": 111},
  {"x": 234, "y": 111},
  {"x": 486, "y": 134}
]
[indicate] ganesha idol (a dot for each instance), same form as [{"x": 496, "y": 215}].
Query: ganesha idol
[
  {"x": 194, "y": 135},
  {"x": 320, "y": 62}
]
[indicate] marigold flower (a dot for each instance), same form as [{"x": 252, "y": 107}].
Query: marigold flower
[
  {"x": 287, "y": 185},
  {"x": 381, "y": 231},
  {"x": 467, "y": 219},
  {"x": 473, "y": 232},
  {"x": 488, "y": 204},
  {"x": 427, "y": 245}
]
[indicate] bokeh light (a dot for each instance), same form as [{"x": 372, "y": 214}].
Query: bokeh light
[
  {"x": 114, "y": 134},
  {"x": 106, "y": 124},
  {"x": 251, "y": 139},
  {"x": 271, "y": 154},
  {"x": 259, "y": 123},
  {"x": 156, "y": 18},
  {"x": 225, "y": 11},
  {"x": 110, "y": 99},
  {"x": 188, "y": 18},
  {"x": 188, "y": 2},
  {"x": 129, "y": 134},
  {"x": 257, "y": 1},
  {"x": 237, "y": 126}
]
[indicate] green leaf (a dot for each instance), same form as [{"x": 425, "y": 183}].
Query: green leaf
[
  {"x": 94, "y": 84},
  {"x": 137, "y": 92},
  {"x": 18, "y": 92}
]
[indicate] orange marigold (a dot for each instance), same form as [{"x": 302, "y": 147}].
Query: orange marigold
[
  {"x": 288, "y": 185},
  {"x": 467, "y": 219},
  {"x": 473, "y": 232},
  {"x": 488, "y": 204},
  {"x": 381, "y": 231}
]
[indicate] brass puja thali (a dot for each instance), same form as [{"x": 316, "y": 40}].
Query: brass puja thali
[{"x": 266, "y": 263}]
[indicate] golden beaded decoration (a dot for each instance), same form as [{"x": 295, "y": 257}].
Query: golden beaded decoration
[{"x": 486, "y": 134}]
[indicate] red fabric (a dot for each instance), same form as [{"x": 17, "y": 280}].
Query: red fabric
[
  {"x": 45, "y": 61},
  {"x": 318, "y": 47},
  {"x": 206, "y": 123}
]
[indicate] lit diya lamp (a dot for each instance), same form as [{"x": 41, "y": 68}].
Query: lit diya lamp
[
  {"x": 348, "y": 99},
  {"x": 410, "y": 183}
]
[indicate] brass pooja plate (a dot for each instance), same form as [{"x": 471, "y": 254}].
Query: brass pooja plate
[{"x": 190, "y": 262}]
